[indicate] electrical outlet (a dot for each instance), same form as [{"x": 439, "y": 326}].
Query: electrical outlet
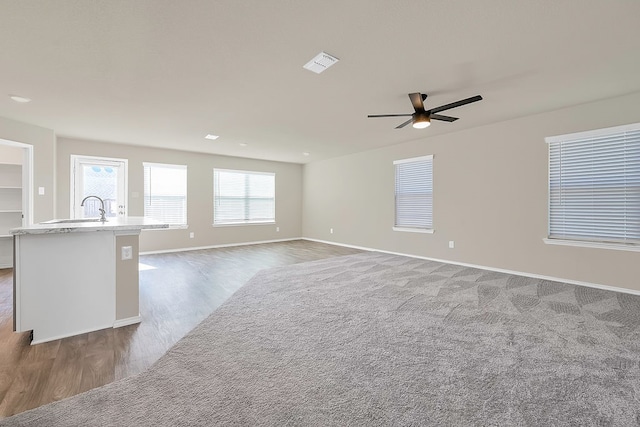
[
  {"x": 192, "y": 235},
  {"x": 277, "y": 229},
  {"x": 41, "y": 191},
  {"x": 451, "y": 244},
  {"x": 331, "y": 230},
  {"x": 127, "y": 252}
]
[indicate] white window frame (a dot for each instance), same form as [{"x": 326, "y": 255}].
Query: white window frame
[
  {"x": 246, "y": 222},
  {"x": 411, "y": 229},
  {"x": 184, "y": 225},
  {"x": 578, "y": 241}
]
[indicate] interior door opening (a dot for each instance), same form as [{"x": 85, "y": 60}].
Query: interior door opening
[{"x": 16, "y": 201}]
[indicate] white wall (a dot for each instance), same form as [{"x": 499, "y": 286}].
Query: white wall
[
  {"x": 490, "y": 194},
  {"x": 490, "y": 197},
  {"x": 10, "y": 154},
  {"x": 199, "y": 194},
  {"x": 44, "y": 146}
]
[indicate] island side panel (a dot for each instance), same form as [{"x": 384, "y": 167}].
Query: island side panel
[
  {"x": 15, "y": 280},
  {"x": 66, "y": 283},
  {"x": 127, "y": 281}
]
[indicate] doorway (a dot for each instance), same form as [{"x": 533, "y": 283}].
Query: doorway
[
  {"x": 103, "y": 177},
  {"x": 16, "y": 201}
]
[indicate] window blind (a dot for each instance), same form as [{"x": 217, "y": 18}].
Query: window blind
[
  {"x": 241, "y": 197},
  {"x": 414, "y": 193},
  {"x": 165, "y": 193},
  {"x": 594, "y": 186}
]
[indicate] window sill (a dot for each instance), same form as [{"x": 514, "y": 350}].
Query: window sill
[
  {"x": 414, "y": 230},
  {"x": 597, "y": 245},
  {"x": 240, "y": 224}
]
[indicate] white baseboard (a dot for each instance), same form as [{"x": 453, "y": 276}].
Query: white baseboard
[
  {"x": 126, "y": 322},
  {"x": 228, "y": 245},
  {"x": 116, "y": 324},
  {"x": 464, "y": 264},
  {"x": 484, "y": 267},
  {"x": 70, "y": 334},
  {"x": 363, "y": 248}
]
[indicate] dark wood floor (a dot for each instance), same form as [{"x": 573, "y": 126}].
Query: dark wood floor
[{"x": 176, "y": 293}]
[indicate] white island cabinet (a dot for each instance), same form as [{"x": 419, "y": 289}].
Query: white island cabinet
[{"x": 75, "y": 277}]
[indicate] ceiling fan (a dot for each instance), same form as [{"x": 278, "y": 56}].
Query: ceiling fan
[{"x": 422, "y": 118}]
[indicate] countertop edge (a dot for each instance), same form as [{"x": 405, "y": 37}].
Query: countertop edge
[{"x": 131, "y": 223}]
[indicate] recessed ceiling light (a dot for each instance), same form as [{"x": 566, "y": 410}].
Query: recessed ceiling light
[
  {"x": 210, "y": 136},
  {"x": 320, "y": 62},
  {"x": 21, "y": 99},
  {"x": 306, "y": 153},
  {"x": 243, "y": 144}
]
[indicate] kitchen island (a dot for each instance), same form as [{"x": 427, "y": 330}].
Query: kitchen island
[{"x": 76, "y": 276}]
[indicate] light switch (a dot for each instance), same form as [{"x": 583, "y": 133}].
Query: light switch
[
  {"x": 41, "y": 191},
  {"x": 127, "y": 252}
]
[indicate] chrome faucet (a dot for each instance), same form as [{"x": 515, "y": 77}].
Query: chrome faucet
[{"x": 103, "y": 218}]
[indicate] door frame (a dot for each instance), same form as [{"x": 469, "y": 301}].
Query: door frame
[{"x": 75, "y": 158}]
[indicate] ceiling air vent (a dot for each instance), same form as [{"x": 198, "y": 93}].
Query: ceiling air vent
[{"x": 321, "y": 62}]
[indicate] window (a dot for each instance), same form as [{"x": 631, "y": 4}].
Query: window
[
  {"x": 594, "y": 186},
  {"x": 414, "y": 194},
  {"x": 241, "y": 197},
  {"x": 165, "y": 193}
]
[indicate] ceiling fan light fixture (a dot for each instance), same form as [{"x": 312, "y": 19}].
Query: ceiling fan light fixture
[
  {"x": 422, "y": 118},
  {"x": 421, "y": 121}
]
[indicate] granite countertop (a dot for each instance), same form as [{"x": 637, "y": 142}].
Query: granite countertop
[{"x": 112, "y": 224}]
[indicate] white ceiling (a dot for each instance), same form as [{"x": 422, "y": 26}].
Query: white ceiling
[{"x": 165, "y": 73}]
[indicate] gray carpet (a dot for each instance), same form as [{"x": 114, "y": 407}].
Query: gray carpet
[{"x": 376, "y": 339}]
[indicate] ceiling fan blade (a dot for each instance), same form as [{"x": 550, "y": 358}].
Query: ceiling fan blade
[
  {"x": 404, "y": 124},
  {"x": 416, "y": 100},
  {"x": 443, "y": 118},
  {"x": 389, "y": 115},
  {"x": 456, "y": 104}
]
